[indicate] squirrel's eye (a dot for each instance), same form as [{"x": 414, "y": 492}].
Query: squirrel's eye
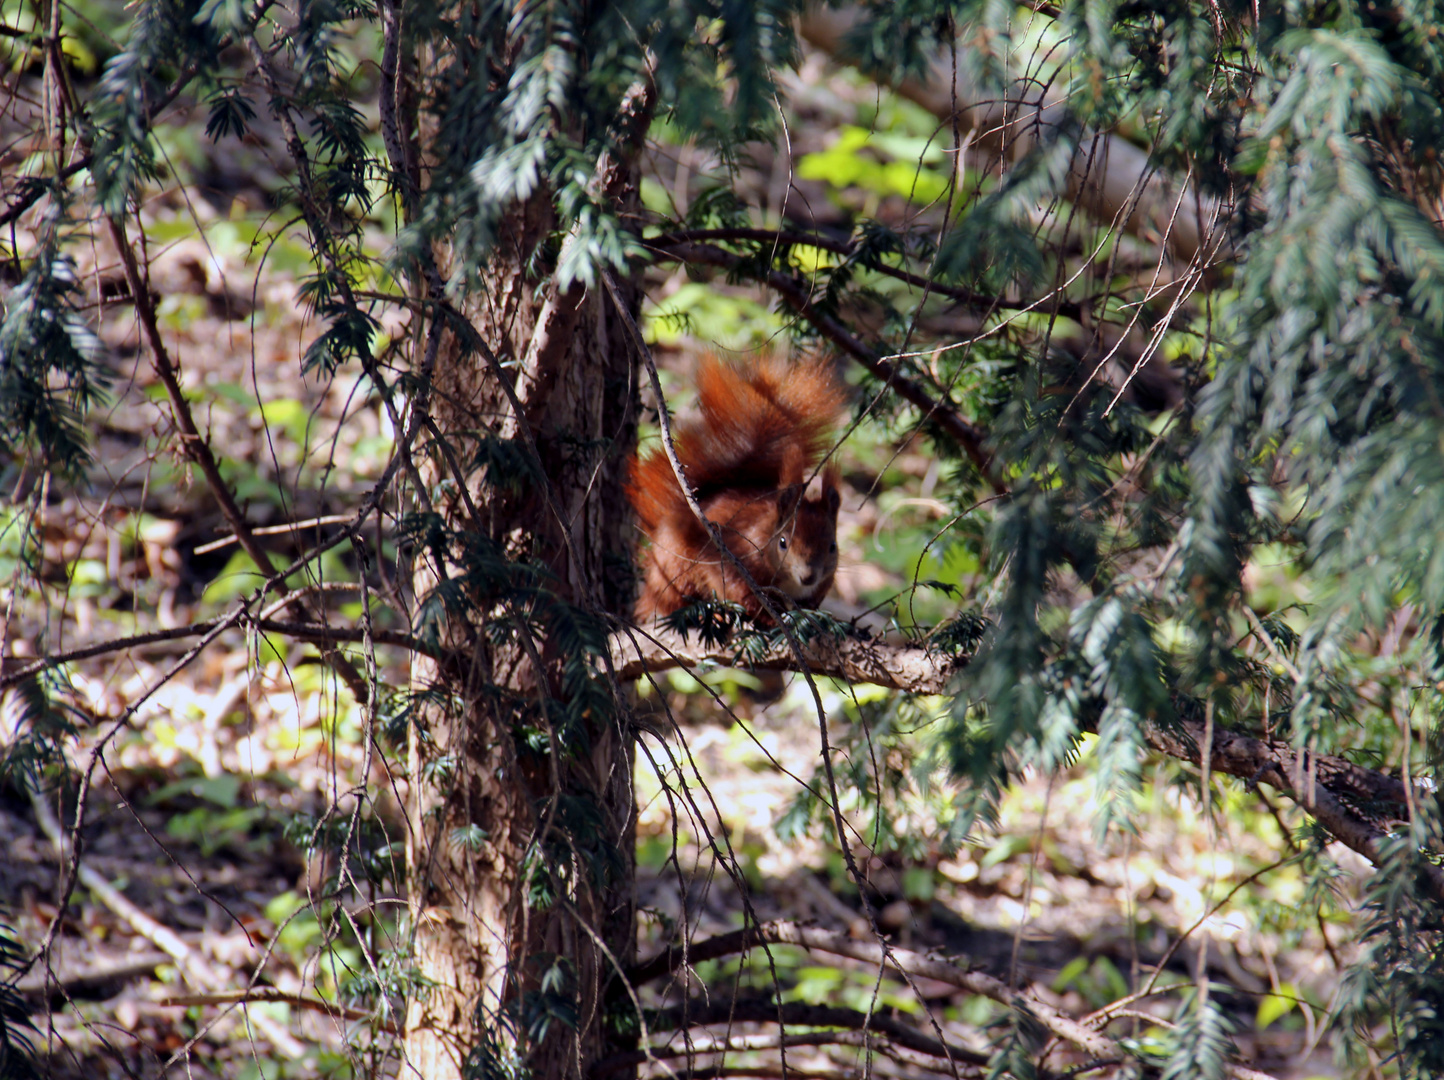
[
  {"x": 782, "y": 543},
  {"x": 832, "y": 548}
]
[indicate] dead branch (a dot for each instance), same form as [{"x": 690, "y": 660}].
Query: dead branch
[
  {"x": 698, "y": 1014},
  {"x": 903, "y": 961}
]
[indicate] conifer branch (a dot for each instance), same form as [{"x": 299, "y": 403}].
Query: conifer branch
[{"x": 1339, "y": 783}]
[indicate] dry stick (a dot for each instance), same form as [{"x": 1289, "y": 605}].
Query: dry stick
[
  {"x": 198, "y": 449},
  {"x": 195, "y": 967},
  {"x": 276, "y": 530},
  {"x": 267, "y": 994},
  {"x": 905, "y": 962}
]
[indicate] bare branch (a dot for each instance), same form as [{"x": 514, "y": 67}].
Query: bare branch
[
  {"x": 912, "y": 668},
  {"x": 314, "y": 632},
  {"x": 903, "y": 961},
  {"x": 696, "y": 1014}
]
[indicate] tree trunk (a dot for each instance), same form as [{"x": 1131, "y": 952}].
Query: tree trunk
[{"x": 521, "y": 856}]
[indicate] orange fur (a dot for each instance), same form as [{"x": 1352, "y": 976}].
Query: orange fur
[{"x": 762, "y": 429}]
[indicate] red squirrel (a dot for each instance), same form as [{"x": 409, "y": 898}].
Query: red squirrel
[{"x": 764, "y": 426}]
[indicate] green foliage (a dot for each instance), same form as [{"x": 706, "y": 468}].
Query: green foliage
[
  {"x": 1402, "y": 970},
  {"x": 50, "y": 369},
  {"x": 572, "y": 79},
  {"x": 1017, "y": 1044},
  {"x": 42, "y": 724},
  {"x": 17, "y": 1030},
  {"x": 1200, "y": 1046}
]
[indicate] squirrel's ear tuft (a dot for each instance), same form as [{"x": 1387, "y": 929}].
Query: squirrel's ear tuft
[
  {"x": 793, "y": 468},
  {"x": 788, "y": 497},
  {"x": 822, "y": 490}
]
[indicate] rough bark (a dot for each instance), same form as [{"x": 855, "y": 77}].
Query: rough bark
[{"x": 570, "y": 400}]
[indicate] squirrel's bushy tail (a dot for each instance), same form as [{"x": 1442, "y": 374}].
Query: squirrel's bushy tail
[{"x": 764, "y": 424}]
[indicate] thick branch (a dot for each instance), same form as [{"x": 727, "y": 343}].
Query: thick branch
[
  {"x": 898, "y": 667},
  {"x": 319, "y": 633},
  {"x": 915, "y": 669},
  {"x": 1323, "y": 776}
]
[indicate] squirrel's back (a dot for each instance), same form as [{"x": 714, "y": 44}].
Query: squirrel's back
[{"x": 762, "y": 428}]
